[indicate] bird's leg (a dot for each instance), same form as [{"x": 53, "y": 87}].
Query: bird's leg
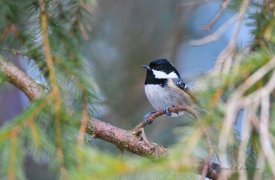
[
  {"x": 146, "y": 116},
  {"x": 167, "y": 112}
]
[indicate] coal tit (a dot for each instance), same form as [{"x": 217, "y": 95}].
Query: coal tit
[{"x": 164, "y": 87}]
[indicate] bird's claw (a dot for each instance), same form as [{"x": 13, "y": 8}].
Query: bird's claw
[
  {"x": 167, "y": 112},
  {"x": 146, "y": 116}
]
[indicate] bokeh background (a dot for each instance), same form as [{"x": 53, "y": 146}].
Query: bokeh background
[{"x": 125, "y": 35}]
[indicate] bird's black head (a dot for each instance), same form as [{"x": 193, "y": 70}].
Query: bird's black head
[{"x": 159, "y": 71}]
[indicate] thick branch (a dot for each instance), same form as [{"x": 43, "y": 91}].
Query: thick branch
[
  {"x": 120, "y": 137},
  {"x": 127, "y": 140},
  {"x": 18, "y": 78},
  {"x": 124, "y": 139}
]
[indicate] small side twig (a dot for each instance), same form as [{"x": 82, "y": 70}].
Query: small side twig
[
  {"x": 215, "y": 35},
  {"x": 217, "y": 16},
  {"x": 139, "y": 130},
  {"x": 153, "y": 116},
  {"x": 225, "y": 59},
  {"x": 207, "y": 160}
]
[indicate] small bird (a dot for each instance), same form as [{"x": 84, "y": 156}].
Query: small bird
[{"x": 164, "y": 87}]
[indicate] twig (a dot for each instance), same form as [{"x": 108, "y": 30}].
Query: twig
[
  {"x": 260, "y": 165},
  {"x": 84, "y": 119},
  {"x": 224, "y": 5},
  {"x": 256, "y": 76},
  {"x": 195, "y": 3},
  {"x": 246, "y": 130},
  {"x": 175, "y": 109},
  {"x": 209, "y": 156},
  {"x": 206, "y": 164},
  {"x": 236, "y": 101},
  {"x": 215, "y": 35},
  {"x": 47, "y": 48},
  {"x": 228, "y": 51},
  {"x": 54, "y": 87},
  {"x": 12, "y": 158},
  {"x": 264, "y": 125}
]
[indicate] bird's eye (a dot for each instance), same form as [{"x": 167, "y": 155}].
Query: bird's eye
[{"x": 152, "y": 65}]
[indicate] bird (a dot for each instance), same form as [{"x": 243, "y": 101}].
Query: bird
[{"x": 165, "y": 88}]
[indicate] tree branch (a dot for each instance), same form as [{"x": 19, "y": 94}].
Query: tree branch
[
  {"x": 217, "y": 16},
  {"x": 18, "y": 78},
  {"x": 123, "y": 139},
  {"x": 176, "y": 109}
]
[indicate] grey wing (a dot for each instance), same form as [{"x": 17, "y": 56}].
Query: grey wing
[{"x": 180, "y": 84}]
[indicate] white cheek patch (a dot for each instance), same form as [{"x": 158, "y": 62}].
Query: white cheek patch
[{"x": 163, "y": 75}]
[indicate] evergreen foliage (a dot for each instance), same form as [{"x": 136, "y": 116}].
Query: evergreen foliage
[{"x": 48, "y": 130}]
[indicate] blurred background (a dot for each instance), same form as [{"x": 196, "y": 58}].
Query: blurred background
[
  {"x": 125, "y": 35},
  {"x": 128, "y": 34}
]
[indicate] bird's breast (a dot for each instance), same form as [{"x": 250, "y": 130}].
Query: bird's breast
[{"x": 162, "y": 97}]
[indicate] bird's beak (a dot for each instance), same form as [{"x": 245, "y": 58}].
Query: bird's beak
[{"x": 146, "y": 67}]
